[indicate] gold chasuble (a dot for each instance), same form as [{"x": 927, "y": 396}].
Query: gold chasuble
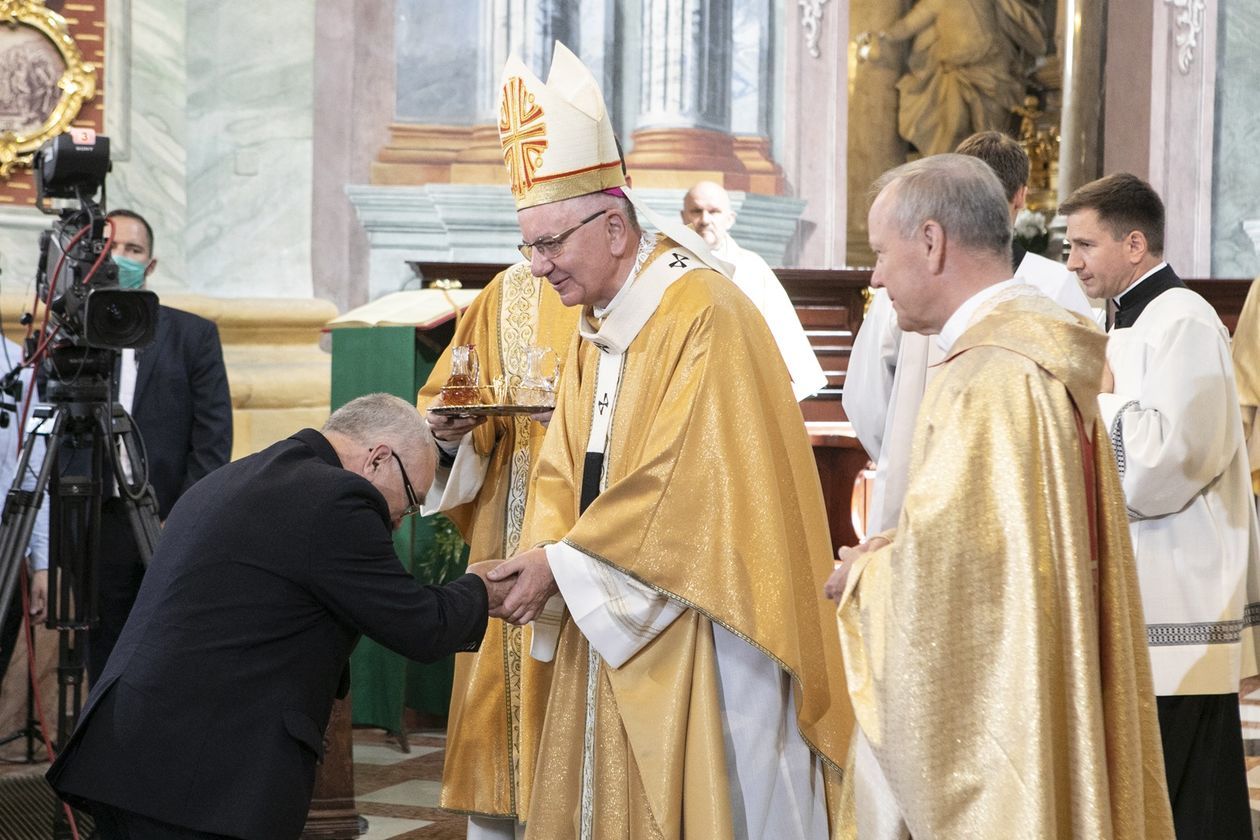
[
  {"x": 1246, "y": 352},
  {"x": 996, "y": 650},
  {"x": 709, "y": 501},
  {"x": 496, "y": 701}
]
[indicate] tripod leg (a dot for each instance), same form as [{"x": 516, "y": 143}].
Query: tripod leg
[
  {"x": 21, "y": 506},
  {"x": 142, "y": 507}
]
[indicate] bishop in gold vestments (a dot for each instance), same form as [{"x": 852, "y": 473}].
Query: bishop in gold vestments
[
  {"x": 496, "y": 701},
  {"x": 676, "y": 537},
  {"x": 996, "y": 649},
  {"x": 695, "y": 693}
]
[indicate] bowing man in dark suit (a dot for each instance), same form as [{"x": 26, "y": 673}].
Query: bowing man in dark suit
[
  {"x": 176, "y": 390},
  {"x": 209, "y": 717}
]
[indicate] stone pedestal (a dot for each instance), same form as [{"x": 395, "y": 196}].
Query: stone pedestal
[
  {"x": 764, "y": 175},
  {"x": 679, "y": 157},
  {"x": 419, "y": 154},
  {"x": 481, "y": 162},
  {"x": 333, "y": 815}
]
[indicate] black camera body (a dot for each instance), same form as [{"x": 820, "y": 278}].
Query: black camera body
[{"x": 77, "y": 280}]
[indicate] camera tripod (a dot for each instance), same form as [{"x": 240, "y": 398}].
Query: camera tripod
[{"x": 81, "y": 426}]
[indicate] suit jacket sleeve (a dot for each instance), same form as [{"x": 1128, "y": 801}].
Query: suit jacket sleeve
[
  {"x": 356, "y": 574},
  {"x": 210, "y": 444}
]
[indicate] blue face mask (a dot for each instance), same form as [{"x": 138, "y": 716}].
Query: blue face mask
[{"x": 130, "y": 273}]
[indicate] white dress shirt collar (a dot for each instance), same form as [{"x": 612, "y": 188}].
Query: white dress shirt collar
[{"x": 957, "y": 323}]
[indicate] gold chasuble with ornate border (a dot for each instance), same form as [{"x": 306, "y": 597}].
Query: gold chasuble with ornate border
[
  {"x": 496, "y": 701},
  {"x": 709, "y": 501},
  {"x": 996, "y": 649}
]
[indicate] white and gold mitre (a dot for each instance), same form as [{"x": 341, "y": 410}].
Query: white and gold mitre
[{"x": 557, "y": 138}]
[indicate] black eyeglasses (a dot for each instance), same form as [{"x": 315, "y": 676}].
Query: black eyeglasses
[
  {"x": 550, "y": 247},
  {"x": 413, "y": 503}
]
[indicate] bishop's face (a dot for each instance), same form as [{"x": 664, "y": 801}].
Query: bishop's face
[
  {"x": 585, "y": 272},
  {"x": 901, "y": 267}
]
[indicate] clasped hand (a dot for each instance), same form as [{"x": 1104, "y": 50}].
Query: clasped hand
[
  {"x": 519, "y": 587},
  {"x": 834, "y": 587}
]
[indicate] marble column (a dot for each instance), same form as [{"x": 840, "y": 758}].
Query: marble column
[
  {"x": 528, "y": 28},
  {"x": 682, "y": 131},
  {"x": 250, "y": 146},
  {"x": 354, "y": 107},
  {"x": 753, "y": 83},
  {"x": 437, "y": 97},
  {"x": 1236, "y": 178},
  {"x": 1082, "y": 41},
  {"x": 1183, "y": 115}
]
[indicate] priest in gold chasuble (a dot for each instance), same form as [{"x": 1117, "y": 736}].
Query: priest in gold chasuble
[
  {"x": 676, "y": 536},
  {"x": 482, "y": 485},
  {"x": 994, "y": 641}
]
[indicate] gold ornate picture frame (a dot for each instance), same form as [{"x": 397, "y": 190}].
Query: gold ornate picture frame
[{"x": 44, "y": 80}]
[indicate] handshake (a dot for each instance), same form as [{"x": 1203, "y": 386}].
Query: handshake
[{"x": 517, "y": 588}]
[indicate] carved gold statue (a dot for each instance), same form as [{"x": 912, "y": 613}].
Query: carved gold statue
[
  {"x": 965, "y": 70},
  {"x": 1041, "y": 144}
]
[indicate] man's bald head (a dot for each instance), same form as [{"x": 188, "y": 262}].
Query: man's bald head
[{"x": 707, "y": 209}]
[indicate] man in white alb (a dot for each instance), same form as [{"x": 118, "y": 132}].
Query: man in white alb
[{"x": 707, "y": 209}]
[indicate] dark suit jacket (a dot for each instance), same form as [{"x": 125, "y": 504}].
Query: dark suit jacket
[
  {"x": 211, "y": 711},
  {"x": 182, "y": 406}
]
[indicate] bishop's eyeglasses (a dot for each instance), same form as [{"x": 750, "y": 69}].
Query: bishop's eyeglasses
[{"x": 550, "y": 247}]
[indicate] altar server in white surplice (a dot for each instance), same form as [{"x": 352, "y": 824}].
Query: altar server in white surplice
[
  {"x": 1169, "y": 400},
  {"x": 889, "y": 369},
  {"x": 707, "y": 209}
]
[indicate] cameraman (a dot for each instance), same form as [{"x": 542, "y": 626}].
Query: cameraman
[
  {"x": 37, "y": 550},
  {"x": 176, "y": 390}
]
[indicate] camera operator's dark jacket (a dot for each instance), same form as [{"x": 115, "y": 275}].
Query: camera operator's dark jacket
[
  {"x": 182, "y": 406},
  {"x": 212, "y": 709}
]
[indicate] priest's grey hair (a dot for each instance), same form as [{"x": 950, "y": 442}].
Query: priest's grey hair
[
  {"x": 958, "y": 192},
  {"x": 383, "y": 418}
]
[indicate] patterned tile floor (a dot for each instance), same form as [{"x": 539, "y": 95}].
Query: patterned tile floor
[
  {"x": 1249, "y": 707},
  {"x": 397, "y": 792}
]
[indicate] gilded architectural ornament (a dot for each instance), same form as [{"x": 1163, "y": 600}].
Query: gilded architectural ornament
[
  {"x": 811, "y": 22},
  {"x": 1189, "y": 21},
  {"x": 44, "y": 80}
]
